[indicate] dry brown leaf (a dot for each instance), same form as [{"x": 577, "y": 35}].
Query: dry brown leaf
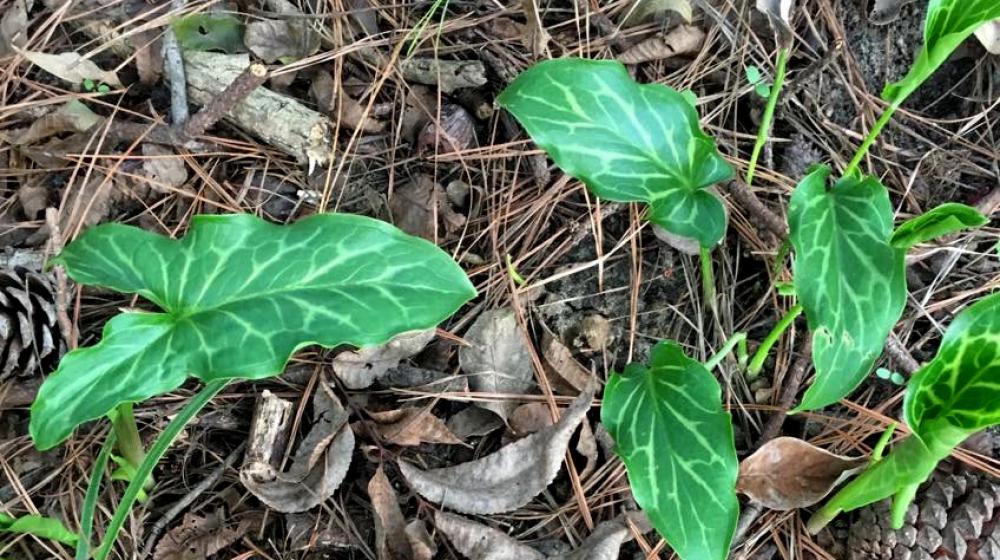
[
  {"x": 586, "y": 445},
  {"x": 412, "y": 426},
  {"x": 886, "y": 11},
  {"x": 319, "y": 464},
  {"x": 779, "y": 13},
  {"x": 421, "y": 542},
  {"x": 13, "y": 27},
  {"x": 642, "y": 10},
  {"x": 358, "y": 369},
  {"x": 682, "y": 39},
  {"x": 198, "y": 538},
  {"x": 71, "y": 67},
  {"x": 788, "y": 473},
  {"x": 453, "y": 130},
  {"x": 474, "y": 422},
  {"x": 562, "y": 362},
  {"x": 72, "y": 116},
  {"x": 479, "y": 542},
  {"x": 529, "y": 418},
  {"x": 604, "y": 543},
  {"x": 390, "y": 531},
  {"x": 506, "y": 479},
  {"x": 163, "y": 167},
  {"x": 274, "y": 39},
  {"x": 335, "y": 102},
  {"x": 418, "y": 207},
  {"x": 497, "y": 359},
  {"x": 535, "y": 37},
  {"x": 989, "y": 35}
]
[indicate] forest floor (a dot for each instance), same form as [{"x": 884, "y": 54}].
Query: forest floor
[{"x": 599, "y": 288}]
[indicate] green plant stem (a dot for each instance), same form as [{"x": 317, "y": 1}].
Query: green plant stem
[
  {"x": 90, "y": 498},
  {"x": 717, "y": 358},
  {"x": 852, "y": 168},
  {"x": 757, "y": 363},
  {"x": 765, "y": 124},
  {"x": 127, "y": 433},
  {"x": 882, "y": 442},
  {"x": 156, "y": 451},
  {"x": 707, "y": 277}
]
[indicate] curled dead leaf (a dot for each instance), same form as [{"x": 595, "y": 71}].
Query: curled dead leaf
[
  {"x": 497, "y": 359},
  {"x": 72, "y": 116},
  {"x": 318, "y": 467},
  {"x": 479, "y": 542},
  {"x": 779, "y": 13},
  {"x": 561, "y": 360},
  {"x": 506, "y": 479},
  {"x": 453, "y": 130},
  {"x": 273, "y": 39},
  {"x": 390, "y": 526},
  {"x": 788, "y": 473},
  {"x": 70, "y": 67},
  {"x": 358, "y": 369},
  {"x": 682, "y": 39},
  {"x": 412, "y": 426}
]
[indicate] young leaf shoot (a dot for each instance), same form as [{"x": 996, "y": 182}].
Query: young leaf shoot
[
  {"x": 676, "y": 442},
  {"x": 239, "y": 297},
  {"x": 626, "y": 141},
  {"x": 948, "y": 400}
]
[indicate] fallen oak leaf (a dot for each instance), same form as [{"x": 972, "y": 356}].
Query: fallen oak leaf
[
  {"x": 412, "y": 426},
  {"x": 70, "y": 67},
  {"x": 358, "y": 369},
  {"x": 787, "y": 473},
  {"x": 682, "y": 39},
  {"x": 504, "y": 480},
  {"x": 479, "y": 542},
  {"x": 318, "y": 467}
]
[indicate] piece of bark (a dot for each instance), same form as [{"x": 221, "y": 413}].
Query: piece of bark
[
  {"x": 268, "y": 429},
  {"x": 278, "y": 120}
]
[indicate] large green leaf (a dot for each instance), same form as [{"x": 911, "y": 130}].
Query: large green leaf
[
  {"x": 676, "y": 442},
  {"x": 239, "y": 296},
  {"x": 948, "y": 400},
  {"x": 948, "y": 23},
  {"x": 627, "y": 142},
  {"x": 848, "y": 277},
  {"x": 942, "y": 220},
  {"x": 960, "y": 387},
  {"x": 39, "y": 526}
]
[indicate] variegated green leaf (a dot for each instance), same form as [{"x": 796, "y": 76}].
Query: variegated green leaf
[
  {"x": 948, "y": 23},
  {"x": 848, "y": 277},
  {"x": 239, "y": 296},
  {"x": 676, "y": 442},
  {"x": 627, "y": 142},
  {"x": 960, "y": 387},
  {"x": 948, "y": 400},
  {"x": 942, "y": 220}
]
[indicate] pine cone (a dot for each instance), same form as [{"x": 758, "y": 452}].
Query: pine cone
[
  {"x": 955, "y": 516},
  {"x": 30, "y": 338}
]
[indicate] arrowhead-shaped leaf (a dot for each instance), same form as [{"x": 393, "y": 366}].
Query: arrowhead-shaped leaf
[
  {"x": 948, "y": 23},
  {"x": 239, "y": 296},
  {"x": 848, "y": 277},
  {"x": 942, "y": 220},
  {"x": 960, "y": 387},
  {"x": 677, "y": 444},
  {"x": 948, "y": 400},
  {"x": 627, "y": 142}
]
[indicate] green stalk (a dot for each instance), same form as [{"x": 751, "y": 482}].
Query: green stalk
[
  {"x": 852, "y": 168},
  {"x": 717, "y": 358},
  {"x": 707, "y": 276},
  {"x": 757, "y": 363},
  {"x": 127, "y": 433},
  {"x": 90, "y": 498},
  {"x": 765, "y": 124},
  {"x": 156, "y": 452}
]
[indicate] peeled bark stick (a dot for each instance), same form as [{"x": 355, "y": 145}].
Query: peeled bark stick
[
  {"x": 278, "y": 120},
  {"x": 749, "y": 201},
  {"x": 250, "y": 79},
  {"x": 792, "y": 384}
]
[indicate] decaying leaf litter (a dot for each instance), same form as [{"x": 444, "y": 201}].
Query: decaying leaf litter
[{"x": 388, "y": 111}]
